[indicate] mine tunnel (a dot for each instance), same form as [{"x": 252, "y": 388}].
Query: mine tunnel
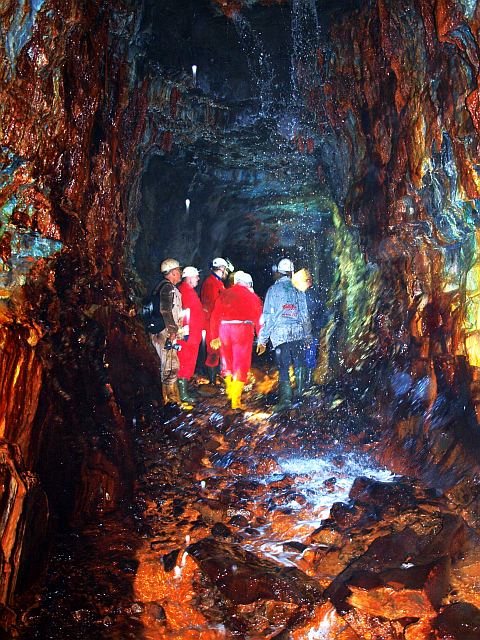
[{"x": 340, "y": 137}]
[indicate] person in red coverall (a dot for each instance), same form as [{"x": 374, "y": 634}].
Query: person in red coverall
[
  {"x": 211, "y": 289},
  {"x": 235, "y": 316},
  {"x": 194, "y": 319}
]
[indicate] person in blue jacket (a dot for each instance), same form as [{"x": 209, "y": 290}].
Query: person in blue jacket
[{"x": 286, "y": 324}]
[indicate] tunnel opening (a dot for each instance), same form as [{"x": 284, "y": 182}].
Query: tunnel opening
[{"x": 340, "y": 135}]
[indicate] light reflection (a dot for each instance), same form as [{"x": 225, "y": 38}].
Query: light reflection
[
  {"x": 254, "y": 416},
  {"x": 321, "y": 482},
  {"x": 324, "y": 629},
  {"x": 311, "y": 477}
]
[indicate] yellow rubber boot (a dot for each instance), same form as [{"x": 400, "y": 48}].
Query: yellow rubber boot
[
  {"x": 236, "y": 394},
  {"x": 228, "y": 385}
]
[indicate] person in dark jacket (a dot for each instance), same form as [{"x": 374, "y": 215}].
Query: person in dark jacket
[
  {"x": 165, "y": 341},
  {"x": 316, "y": 313}
]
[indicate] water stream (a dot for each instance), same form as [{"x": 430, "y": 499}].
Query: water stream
[
  {"x": 259, "y": 62},
  {"x": 305, "y": 41}
]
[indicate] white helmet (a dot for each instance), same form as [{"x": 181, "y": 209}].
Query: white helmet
[
  {"x": 168, "y": 265},
  {"x": 217, "y": 263},
  {"x": 240, "y": 277},
  {"x": 190, "y": 271},
  {"x": 285, "y": 266}
]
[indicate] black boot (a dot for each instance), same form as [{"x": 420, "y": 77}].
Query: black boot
[
  {"x": 284, "y": 397},
  {"x": 300, "y": 379},
  {"x": 212, "y": 375},
  {"x": 183, "y": 389}
]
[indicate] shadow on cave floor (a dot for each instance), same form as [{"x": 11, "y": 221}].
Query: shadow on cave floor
[
  {"x": 88, "y": 592},
  {"x": 246, "y": 525}
]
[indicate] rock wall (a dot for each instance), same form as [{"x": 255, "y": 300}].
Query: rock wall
[
  {"x": 398, "y": 109},
  {"x": 73, "y": 364}
]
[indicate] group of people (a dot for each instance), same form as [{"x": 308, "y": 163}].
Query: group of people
[{"x": 229, "y": 317}]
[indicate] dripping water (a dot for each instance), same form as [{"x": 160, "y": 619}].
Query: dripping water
[
  {"x": 258, "y": 61},
  {"x": 305, "y": 41}
]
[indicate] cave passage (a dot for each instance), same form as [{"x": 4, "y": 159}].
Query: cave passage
[{"x": 343, "y": 135}]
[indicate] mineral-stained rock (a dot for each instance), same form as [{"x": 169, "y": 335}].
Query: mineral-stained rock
[
  {"x": 385, "y": 551},
  {"x": 359, "y": 515},
  {"x": 421, "y": 630},
  {"x": 382, "y": 565},
  {"x": 244, "y": 578},
  {"x": 325, "y": 563},
  {"x": 389, "y": 603},
  {"x": 153, "y": 584},
  {"x": 344, "y": 515},
  {"x": 294, "y": 544},
  {"x": 212, "y": 511},
  {"x": 62, "y": 151},
  {"x": 465, "y": 579},
  {"x": 265, "y": 616},
  {"x": 238, "y": 521},
  {"x": 465, "y": 495},
  {"x": 414, "y": 592},
  {"x": 373, "y": 627},
  {"x": 382, "y": 494},
  {"x": 431, "y": 579},
  {"x": 220, "y": 530},
  {"x": 268, "y": 466},
  {"x": 460, "y": 621},
  {"x": 23, "y": 505},
  {"x": 169, "y": 560},
  {"x": 326, "y": 535},
  {"x": 155, "y": 610}
]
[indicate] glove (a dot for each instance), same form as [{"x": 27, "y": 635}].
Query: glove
[
  {"x": 216, "y": 343},
  {"x": 261, "y": 348}
]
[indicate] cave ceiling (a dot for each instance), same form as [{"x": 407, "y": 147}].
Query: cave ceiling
[
  {"x": 303, "y": 110},
  {"x": 240, "y": 131}
]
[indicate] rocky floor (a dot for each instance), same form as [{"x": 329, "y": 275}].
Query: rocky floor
[{"x": 252, "y": 526}]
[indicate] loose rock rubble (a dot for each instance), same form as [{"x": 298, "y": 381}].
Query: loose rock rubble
[{"x": 250, "y": 527}]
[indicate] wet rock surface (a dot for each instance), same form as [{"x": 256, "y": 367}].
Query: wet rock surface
[
  {"x": 367, "y": 167},
  {"x": 264, "y": 536}
]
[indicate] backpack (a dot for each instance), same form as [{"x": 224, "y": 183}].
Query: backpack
[{"x": 152, "y": 318}]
